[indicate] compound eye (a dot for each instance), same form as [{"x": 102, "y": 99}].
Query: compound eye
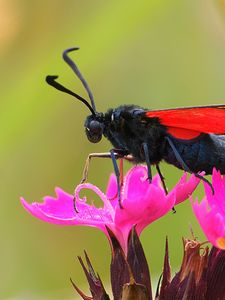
[
  {"x": 94, "y": 131},
  {"x": 95, "y": 127}
]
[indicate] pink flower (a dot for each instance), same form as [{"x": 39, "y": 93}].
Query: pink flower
[
  {"x": 142, "y": 204},
  {"x": 211, "y": 211}
]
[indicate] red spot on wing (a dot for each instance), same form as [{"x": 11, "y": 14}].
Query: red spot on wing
[{"x": 181, "y": 133}]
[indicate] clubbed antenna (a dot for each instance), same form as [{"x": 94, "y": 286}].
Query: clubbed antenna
[
  {"x": 74, "y": 67},
  {"x": 51, "y": 80}
]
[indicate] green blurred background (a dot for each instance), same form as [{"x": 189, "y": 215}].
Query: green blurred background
[{"x": 156, "y": 54}]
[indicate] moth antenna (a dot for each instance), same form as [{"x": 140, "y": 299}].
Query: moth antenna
[
  {"x": 51, "y": 80},
  {"x": 75, "y": 69}
]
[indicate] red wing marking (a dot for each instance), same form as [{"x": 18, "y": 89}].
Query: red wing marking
[{"x": 189, "y": 122}]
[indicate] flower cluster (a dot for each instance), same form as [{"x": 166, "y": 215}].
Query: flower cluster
[{"x": 202, "y": 273}]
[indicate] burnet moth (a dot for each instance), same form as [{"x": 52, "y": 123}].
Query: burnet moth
[{"x": 190, "y": 138}]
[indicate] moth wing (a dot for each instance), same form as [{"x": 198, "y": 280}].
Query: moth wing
[{"x": 190, "y": 122}]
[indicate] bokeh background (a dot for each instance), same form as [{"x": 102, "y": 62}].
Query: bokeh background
[{"x": 156, "y": 54}]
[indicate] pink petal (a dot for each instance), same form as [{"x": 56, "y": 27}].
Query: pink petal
[
  {"x": 61, "y": 211},
  {"x": 157, "y": 210},
  {"x": 185, "y": 187},
  {"x": 210, "y": 212},
  {"x": 136, "y": 182},
  {"x": 217, "y": 198},
  {"x": 142, "y": 202},
  {"x": 112, "y": 190},
  {"x": 210, "y": 220}
]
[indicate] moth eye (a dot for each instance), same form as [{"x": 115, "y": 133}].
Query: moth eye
[
  {"x": 94, "y": 131},
  {"x": 95, "y": 127}
]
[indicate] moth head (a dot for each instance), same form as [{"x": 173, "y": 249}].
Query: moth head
[{"x": 94, "y": 128}]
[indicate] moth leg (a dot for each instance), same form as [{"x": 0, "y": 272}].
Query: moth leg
[
  {"x": 163, "y": 183},
  {"x": 86, "y": 168},
  {"x": 119, "y": 153},
  {"x": 114, "y": 154},
  {"x": 117, "y": 173},
  {"x": 88, "y": 160},
  {"x": 121, "y": 172},
  {"x": 162, "y": 179},
  {"x": 121, "y": 176},
  {"x": 184, "y": 166},
  {"x": 146, "y": 154}
]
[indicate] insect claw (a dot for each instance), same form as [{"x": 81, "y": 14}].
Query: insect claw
[
  {"x": 119, "y": 200},
  {"x": 74, "y": 205},
  {"x": 206, "y": 181},
  {"x": 212, "y": 188},
  {"x": 83, "y": 180},
  {"x": 84, "y": 177},
  {"x": 149, "y": 179}
]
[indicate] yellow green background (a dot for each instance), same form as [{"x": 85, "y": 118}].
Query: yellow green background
[{"x": 154, "y": 53}]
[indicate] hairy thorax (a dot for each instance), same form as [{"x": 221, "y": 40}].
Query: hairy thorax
[{"x": 127, "y": 128}]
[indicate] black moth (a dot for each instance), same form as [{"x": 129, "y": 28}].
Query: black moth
[{"x": 190, "y": 138}]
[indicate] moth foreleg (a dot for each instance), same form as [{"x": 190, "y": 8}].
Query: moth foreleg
[
  {"x": 87, "y": 164},
  {"x": 88, "y": 160},
  {"x": 117, "y": 173},
  {"x": 114, "y": 154}
]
